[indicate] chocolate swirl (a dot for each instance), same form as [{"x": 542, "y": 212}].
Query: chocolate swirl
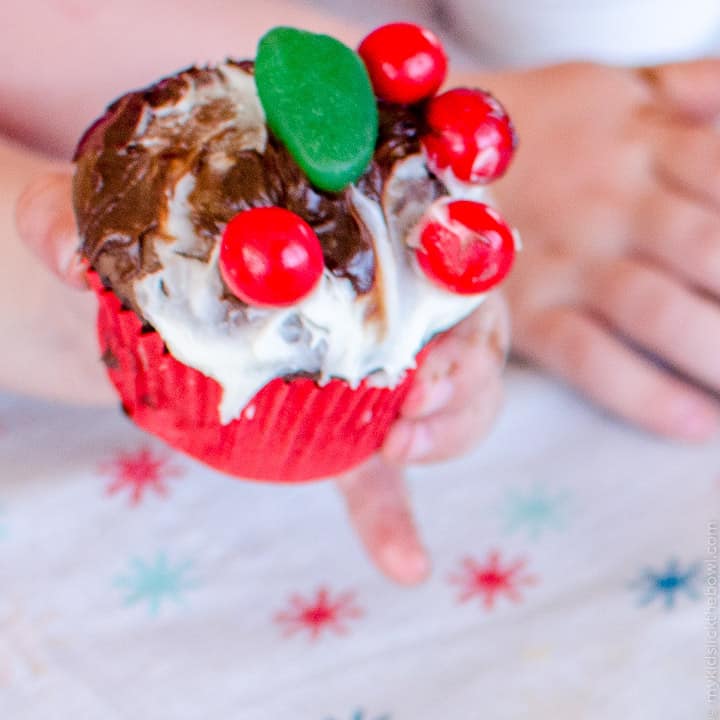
[{"x": 130, "y": 161}]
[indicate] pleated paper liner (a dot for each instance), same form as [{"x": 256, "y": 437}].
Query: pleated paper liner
[{"x": 291, "y": 431}]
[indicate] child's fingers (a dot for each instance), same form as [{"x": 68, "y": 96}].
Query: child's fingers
[
  {"x": 687, "y": 156},
  {"x": 444, "y": 435},
  {"x": 380, "y": 511},
  {"x": 46, "y": 223},
  {"x": 462, "y": 363},
  {"x": 682, "y": 235},
  {"x": 662, "y": 315},
  {"x": 584, "y": 353}
]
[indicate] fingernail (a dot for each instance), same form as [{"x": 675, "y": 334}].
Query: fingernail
[
  {"x": 421, "y": 444},
  {"x": 397, "y": 442},
  {"x": 407, "y": 442},
  {"x": 696, "y": 420},
  {"x": 75, "y": 270},
  {"x": 407, "y": 566}
]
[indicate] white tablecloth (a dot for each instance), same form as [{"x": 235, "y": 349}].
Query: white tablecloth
[{"x": 571, "y": 579}]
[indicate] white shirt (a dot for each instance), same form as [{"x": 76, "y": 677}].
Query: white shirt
[
  {"x": 533, "y": 32},
  {"x": 523, "y": 32}
]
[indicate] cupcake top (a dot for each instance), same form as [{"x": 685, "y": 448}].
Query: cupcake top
[{"x": 163, "y": 173}]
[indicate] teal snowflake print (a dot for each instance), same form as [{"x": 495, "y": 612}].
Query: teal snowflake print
[
  {"x": 669, "y": 584},
  {"x": 154, "y": 582},
  {"x": 535, "y": 511},
  {"x": 360, "y": 715}
]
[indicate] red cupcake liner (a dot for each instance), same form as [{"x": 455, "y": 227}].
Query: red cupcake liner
[{"x": 291, "y": 431}]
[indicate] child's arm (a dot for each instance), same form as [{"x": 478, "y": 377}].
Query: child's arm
[{"x": 63, "y": 61}]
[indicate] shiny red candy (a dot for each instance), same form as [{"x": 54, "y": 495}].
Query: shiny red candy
[
  {"x": 465, "y": 247},
  {"x": 406, "y": 62},
  {"x": 270, "y": 257},
  {"x": 470, "y": 134}
]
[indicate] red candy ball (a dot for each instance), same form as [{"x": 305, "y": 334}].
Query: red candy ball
[
  {"x": 270, "y": 257},
  {"x": 470, "y": 134},
  {"x": 406, "y": 62},
  {"x": 464, "y": 246}
]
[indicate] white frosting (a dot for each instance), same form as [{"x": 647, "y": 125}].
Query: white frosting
[{"x": 334, "y": 332}]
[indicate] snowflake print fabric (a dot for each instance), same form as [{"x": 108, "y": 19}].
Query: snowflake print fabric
[
  {"x": 669, "y": 584},
  {"x": 139, "y": 472},
  {"x": 155, "y": 581},
  {"x": 570, "y": 571},
  {"x": 320, "y": 613},
  {"x": 490, "y": 579}
]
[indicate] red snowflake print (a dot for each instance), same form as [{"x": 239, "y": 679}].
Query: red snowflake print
[
  {"x": 489, "y": 580},
  {"x": 319, "y": 613},
  {"x": 138, "y": 472}
]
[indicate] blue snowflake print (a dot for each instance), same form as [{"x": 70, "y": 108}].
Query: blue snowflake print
[
  {"x": 154, "y": 581},
  {"x": 360, "y": 715},
  {"x": 534, "y": 511},
  {"x": 667, "y": 585}
]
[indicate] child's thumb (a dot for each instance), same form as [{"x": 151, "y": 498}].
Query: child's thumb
[{"x": 46, "y": 224}]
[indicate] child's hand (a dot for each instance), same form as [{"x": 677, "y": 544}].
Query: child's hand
[
  {"x": 49, "y": 346},
  {"x": 615, "y": 189},
  {"x": 453, "y": 401},
  {"x": 457, "y": 391},
  {"x": 451, "y": 405}
]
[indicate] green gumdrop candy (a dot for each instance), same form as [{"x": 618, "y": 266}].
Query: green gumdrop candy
[{"x": 318, "y": 100}]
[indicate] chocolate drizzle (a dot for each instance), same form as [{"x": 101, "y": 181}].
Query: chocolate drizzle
[{"x": 122, "y": 185}]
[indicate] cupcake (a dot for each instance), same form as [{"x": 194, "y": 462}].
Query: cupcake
[{"x": 275, "y": 243}]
